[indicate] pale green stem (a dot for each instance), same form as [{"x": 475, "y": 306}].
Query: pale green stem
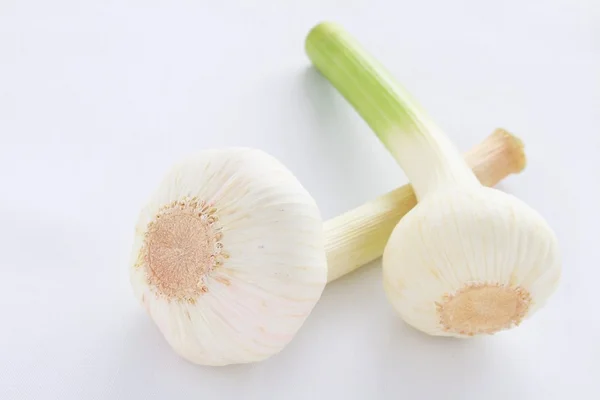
[{"x": 427, "y": 156}]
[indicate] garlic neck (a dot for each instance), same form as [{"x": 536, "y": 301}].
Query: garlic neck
[
  {"x": 429, "y": 160},
  {"x": 359, "y": 236},
  {"x": 427, "y": 157}
]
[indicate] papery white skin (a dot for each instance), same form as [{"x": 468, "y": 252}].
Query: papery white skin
[
  {"x": 273, "y": 233},
  {"x": 463, "y": 235}
]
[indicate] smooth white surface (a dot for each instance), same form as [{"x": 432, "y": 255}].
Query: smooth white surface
[{"x": 97, "y": 99}]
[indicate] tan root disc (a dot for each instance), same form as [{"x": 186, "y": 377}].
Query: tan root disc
[
  {"x": 483, "y": 308},
  {"x": 181, "y": 247}
]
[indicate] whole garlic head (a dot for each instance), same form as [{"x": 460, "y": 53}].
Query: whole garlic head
[
  {"x": 469, "y": 262},
  {"x": 228, "y": 257},
  {"x": 467, "y": 259}
]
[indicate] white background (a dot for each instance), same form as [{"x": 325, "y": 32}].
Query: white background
[{"x": 98, "y": 98}]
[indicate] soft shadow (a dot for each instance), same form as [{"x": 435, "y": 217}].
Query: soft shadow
[
  {"x": 327, "y": 106},
  {"x": 145, "y": 356},
  {"x": 416, "y": 363},
  {"x": 505, "y": 185},
  {"x": 413, "y": 363},
  {"x": 354, "y": 166}
]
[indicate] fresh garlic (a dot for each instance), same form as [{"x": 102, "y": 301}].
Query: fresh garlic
[
  {"x": 467, "y": 259},
  {"x": 228, "y": 255}
]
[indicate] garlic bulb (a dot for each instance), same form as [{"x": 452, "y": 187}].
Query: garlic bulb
[
  {"x": 228, "y": 256},
  {"x": 467, "y": 259}
]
